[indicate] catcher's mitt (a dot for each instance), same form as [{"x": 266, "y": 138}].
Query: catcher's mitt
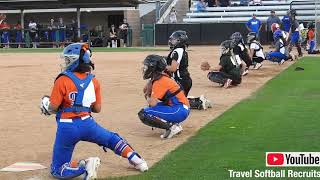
[{"x": 205, "y": 66}]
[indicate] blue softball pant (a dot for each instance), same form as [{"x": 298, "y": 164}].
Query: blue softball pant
[
  {"x": 172, "y": 114},
  {"x": 69, "y": 133},
  {"x": 294, "y": 38},
  {"x": 277, "y": 57}
]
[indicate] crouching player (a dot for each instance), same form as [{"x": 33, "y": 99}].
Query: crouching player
[
  {"x": 280, "y": 54},
  {"x": 256, "y": 50},
  {"x": 75, "y": 94},
  {"x": 168, "y": 105},
  {"x": 241, "y": 53},
  {"x": 228, "y": 71}
]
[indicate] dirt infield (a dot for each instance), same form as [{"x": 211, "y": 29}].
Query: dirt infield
[{"x": 28, "y": 136}]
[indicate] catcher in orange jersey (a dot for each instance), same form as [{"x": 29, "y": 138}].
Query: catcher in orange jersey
[{"x": 75, "y": 95}]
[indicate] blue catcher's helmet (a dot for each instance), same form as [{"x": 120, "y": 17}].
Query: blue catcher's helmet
[
  {"x": 75, "y": 54},
  {"x": 277, "y": 35}
]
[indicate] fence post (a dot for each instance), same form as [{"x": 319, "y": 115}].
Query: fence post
[{"x": 158, "y": 6}]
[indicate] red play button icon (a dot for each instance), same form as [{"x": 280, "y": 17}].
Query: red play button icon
[{"x": 275, "y": 159}]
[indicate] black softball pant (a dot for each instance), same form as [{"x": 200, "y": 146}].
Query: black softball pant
[{"x": 185, "y": 83}]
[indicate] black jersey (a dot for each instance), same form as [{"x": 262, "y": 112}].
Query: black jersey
[{"x": 181, "y": 56}]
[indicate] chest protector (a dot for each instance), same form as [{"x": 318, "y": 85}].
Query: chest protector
[
  {"x": 182, "y": 70},
  {"x": 81, "y": 85}
]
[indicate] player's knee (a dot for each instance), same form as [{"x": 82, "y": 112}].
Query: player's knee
[
  {"x": 152, "y": 121},
  {"x": 214, "y": 77}
]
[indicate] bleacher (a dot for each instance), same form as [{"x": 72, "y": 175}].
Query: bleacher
[{"x": 305, "y": 10}]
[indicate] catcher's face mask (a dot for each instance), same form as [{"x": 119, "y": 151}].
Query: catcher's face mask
[
  {"x": 147, "y": 72},
  {"x": 68, "y": 60}
]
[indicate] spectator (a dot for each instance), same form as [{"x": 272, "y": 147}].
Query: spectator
[
  {"x": 173, "y": 16},
  {"x": 124, "y": 32},
  {"x": 254, "y": 25},
  {"x": 113, "y": 36},
  {"x": 286, "y": 22},
  {"x": 244, "y": 2},
  {"x": 74, "y": 29},
  {"x": 5, "y": 34},
  {"x": 201, "y": 6},
  {"x": 256, "y": 2},
  {"x": 52, "y": 31},
  {"x": 18, "y": 29},
  {"x": 224, "y": 3},
  {"x": 62, "y": 32},
  {"x": 211, "y": 3},
  {"x": 273, "y": 18},
  {"x": 33, "y": 32}
]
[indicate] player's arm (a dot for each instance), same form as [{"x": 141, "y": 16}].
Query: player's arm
[
  {"x": 216, "y": 69},
  {"x": 96, "y": 106},
  {"x": 152, "y": 101},
  {"x": 174, "y": 64}
]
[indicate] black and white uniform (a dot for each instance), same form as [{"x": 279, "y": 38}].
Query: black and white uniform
[
  {"x": 241, "y": 53},
  {"x": 182, "y": 75},
  {"x": 258, "y": 55}
]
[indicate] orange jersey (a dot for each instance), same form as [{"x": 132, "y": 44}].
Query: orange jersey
[
  {"x": 310, "y": 35},
  {"x": 167, "y": 85},
  {"x": 63, "y": 94}
]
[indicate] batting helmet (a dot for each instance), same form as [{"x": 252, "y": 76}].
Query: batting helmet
[
  {"x": 274, "y": 27},
  {"x": 153, "y": 65}
]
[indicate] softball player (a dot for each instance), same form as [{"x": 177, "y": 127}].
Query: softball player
[
  {"x": 280, "y": 54},
  {"x": 294, "y": 32},
  {"x": 227, "y": 73},
  {"x": 75, "y": 94},
  {"x": 241, "y": 52},
  {"x": 177, "y": 60},
  {"x": 168, "y": 105},
  {"x": 256, "y": 50}
]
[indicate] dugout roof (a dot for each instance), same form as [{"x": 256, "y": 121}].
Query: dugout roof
[{"x": 57, "y": 4}]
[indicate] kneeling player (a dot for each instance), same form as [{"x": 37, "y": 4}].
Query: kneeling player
[
  {"x": 75, "y": 94},
  {"x": 256, "y": 50},
  {"x": 228, "y": 71},
  {"x": 280, "y": 54},
  {"x": 168, "y": 105},
  {"x": 240, "y": 52}
]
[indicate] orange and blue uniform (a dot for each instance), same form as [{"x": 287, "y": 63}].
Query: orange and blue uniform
[
  {"x": 75, "y": 94},
  {"x": 174, "y": 105}
]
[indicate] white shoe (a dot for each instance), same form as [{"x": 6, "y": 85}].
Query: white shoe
[
  {"x": 245, "y": 72},
  {"x": 257, "y": 66},
  {"x": 174, "y": 129},
  {"x": 142, "y": 167},
  {"x": 282, "y": 61},
  {"x": 205, "y": 102},
  {"x": 227, "y": 83},
  {"x": 92, "y": 165}
]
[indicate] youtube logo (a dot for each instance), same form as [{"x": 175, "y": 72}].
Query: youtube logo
[
  {"x": 293, "y": 159},
  {"x": 275, "y": 159}
]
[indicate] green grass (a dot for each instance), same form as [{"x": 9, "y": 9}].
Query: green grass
[
  {"x": 282, "y": 116},
  {"x": 97, "y": 49}
]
